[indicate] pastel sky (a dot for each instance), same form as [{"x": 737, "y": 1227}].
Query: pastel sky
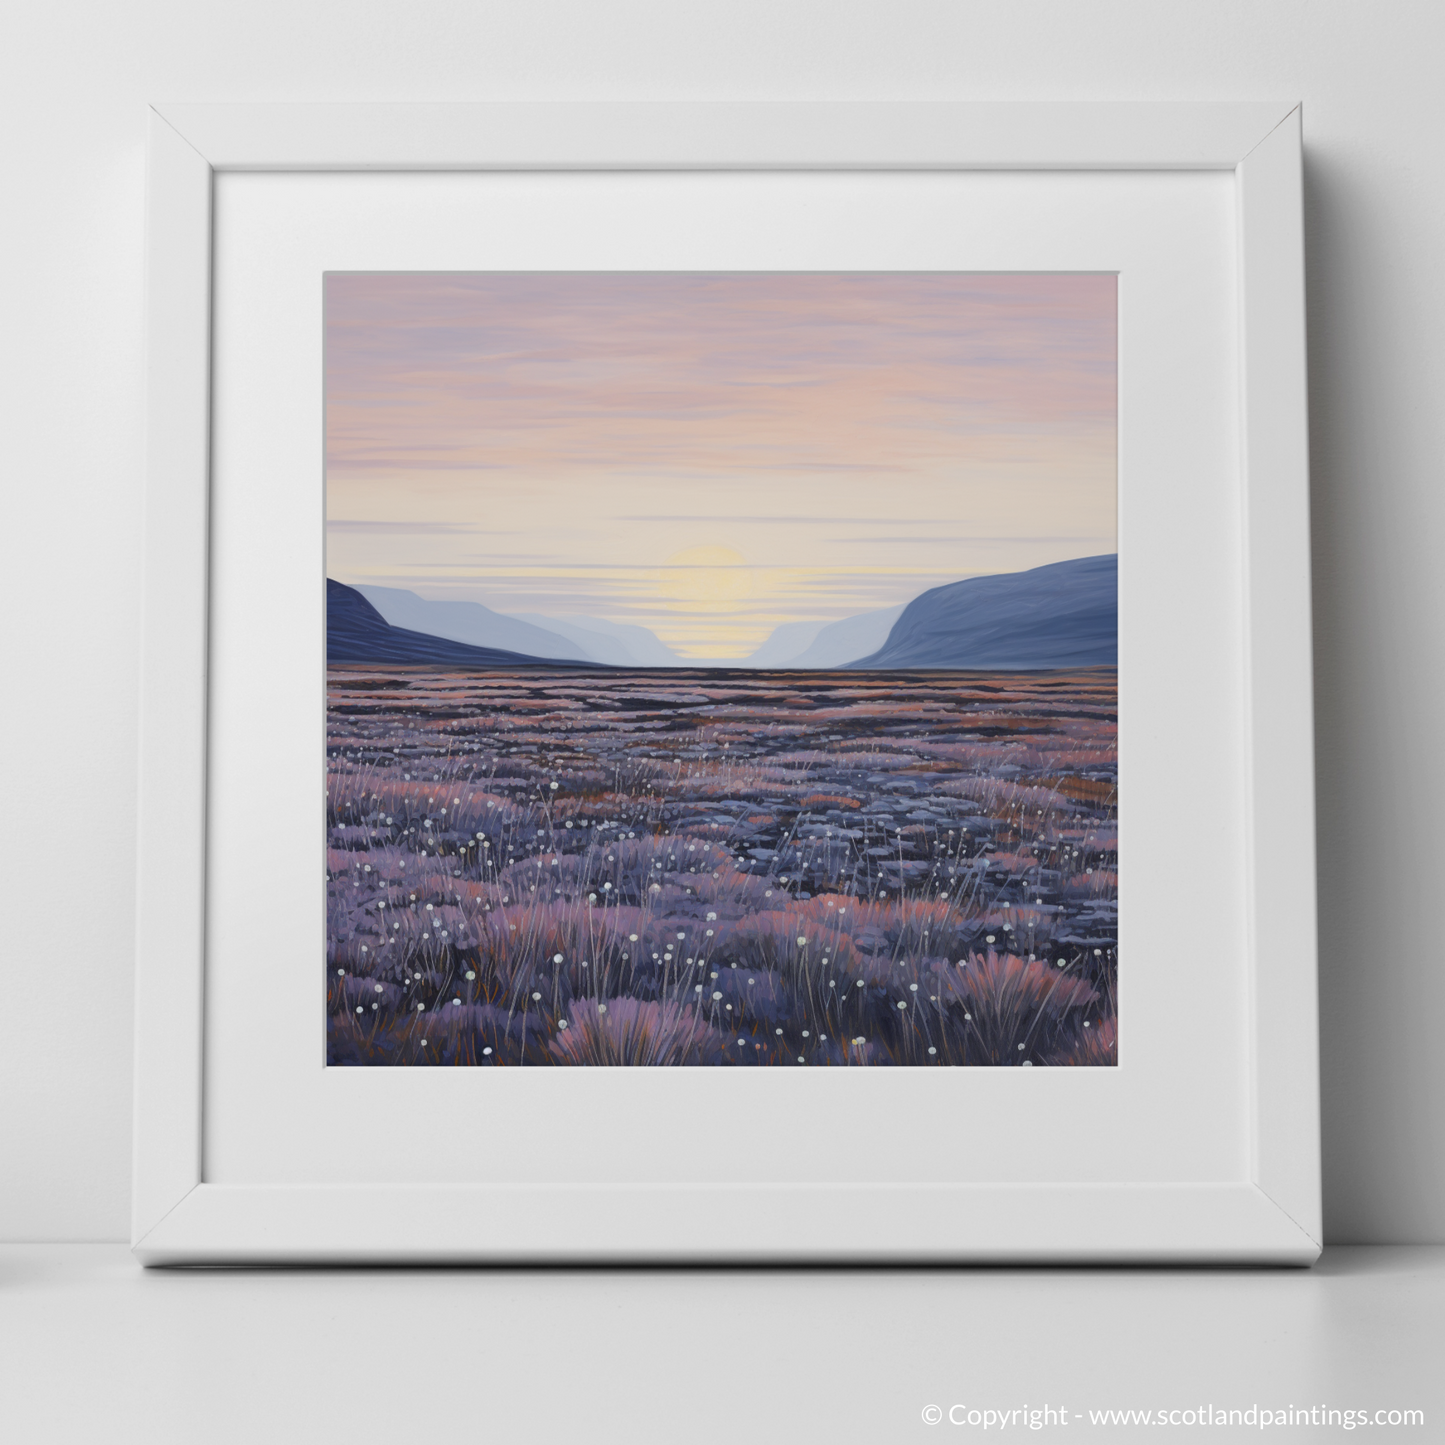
[{"x": 711, "y": 455}]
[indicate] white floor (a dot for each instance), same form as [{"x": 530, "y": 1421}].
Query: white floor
[{"x": 94, "y": 1349}]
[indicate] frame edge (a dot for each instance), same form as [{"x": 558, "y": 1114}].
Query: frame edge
[
  {"x": 727, "y": 135},
  {"x": 171, "y": 855},
  {"x": 813, "y": 1224},
  {"x": 1279, "y": 684}
]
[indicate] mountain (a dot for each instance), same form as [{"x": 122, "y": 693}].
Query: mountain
[
  {"x": 839, "y": 642},
  {"x": 357, "y": 632},
  {"x": 784, "y": 644},
  {"x": 473, "y": 624},
  {"x": 1062, "y": 615},
  {"x": 824, "y": 644},
  {"x": 622, "y": 644}
]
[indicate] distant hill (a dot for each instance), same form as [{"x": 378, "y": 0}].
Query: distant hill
[
  {"x": 784, "y": 643},
  {"x": 473, "y": 624},
  {"x": 357, "y": 632},
  {"x": 824, "y": 644},
  {"x": 1062, "y": 615},
  {"x": 839, "y": 642},
  {"x": 624, "y": 644}
]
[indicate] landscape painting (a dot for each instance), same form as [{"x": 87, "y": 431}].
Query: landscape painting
[{"x": 722, "y": 670}]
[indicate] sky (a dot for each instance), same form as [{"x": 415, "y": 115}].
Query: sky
[{"x": 712, "y": 455}]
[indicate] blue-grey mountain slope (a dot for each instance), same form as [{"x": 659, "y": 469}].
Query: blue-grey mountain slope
[
  {"x": 824, "y": 644},
  {"x": 622, "y": 644},
  {"x": 839, "y": 643},
  {"x": 473, "y": 624},
  {"x": 1063, "y": 615},
  {"x": 357, "y": 632},
  {"x": 784, "y": 643}
]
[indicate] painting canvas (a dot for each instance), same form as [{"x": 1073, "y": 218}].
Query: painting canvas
[{"x": 722, "y": 670}]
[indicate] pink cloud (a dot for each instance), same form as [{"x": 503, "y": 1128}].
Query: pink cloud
[{"x": 708, "y": 373}]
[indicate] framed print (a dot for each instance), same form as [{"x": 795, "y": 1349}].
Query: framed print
[{"x": 726, "y": 682}]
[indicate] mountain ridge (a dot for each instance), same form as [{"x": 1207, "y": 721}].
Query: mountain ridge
[
  {"x": 356, "y": 632},
  {"x": 1064, "y": 614},
  {"x": 471, "y": 623}
]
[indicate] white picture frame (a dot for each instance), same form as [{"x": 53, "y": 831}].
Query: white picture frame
[{"x": 1270, "y": 1213}]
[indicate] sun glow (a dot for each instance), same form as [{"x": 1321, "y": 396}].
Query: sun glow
[
  {"x": 707, "y": 593},
  {"x": 705, "y": 579}
]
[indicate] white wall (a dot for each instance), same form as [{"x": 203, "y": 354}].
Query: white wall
[{"x": 77, "y": 77}]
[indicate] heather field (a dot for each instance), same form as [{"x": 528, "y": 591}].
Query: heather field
[{"x": 797, "y": 869}]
